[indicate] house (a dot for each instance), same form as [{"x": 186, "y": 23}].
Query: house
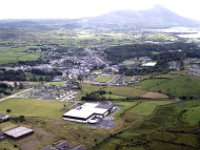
[{"x": 3, "y": 117}]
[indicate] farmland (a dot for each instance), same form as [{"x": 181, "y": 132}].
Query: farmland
[
  {"x": 48, "y": 116},
  {"x": 55, "y": 83},
  {"x": 116, "y": 90},
  {"x": 43, "y": 116},
  {"x": 103, "y": 79},
  {"x": 13, "y": 55},
  {"x": 33, "y": 108},
  {"x": 162, "y": 129},
  {"x": 172, "y": 84}
]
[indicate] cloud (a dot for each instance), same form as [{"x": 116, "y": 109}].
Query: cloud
[{"x": 17, "y": 9}]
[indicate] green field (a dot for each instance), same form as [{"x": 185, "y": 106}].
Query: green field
[
  {"x": 164, "y": 37},
  {"x": 125, "y": 106},
  {"x": 7, "y": 125},
  {"x": 128, "y": 62},
  {"x": 115, "y": 90},
  {"x": 103, "y": 79},
  {"x": 173, "y": 84},
  {"x": 164, "y": 129},
  {"x": 147, "y": 107},
  {"x": 127, "y": 78},
  {"x": 13, "y": 55},
  {"x": 33, "y": 108},
  {"x": 55, "y": 83},
  {"x": 44, "y": 118},
  {"x": 113, "y": 96},
  {"x": 8, "y": 145},
  {"x": 192, "y": 115}
]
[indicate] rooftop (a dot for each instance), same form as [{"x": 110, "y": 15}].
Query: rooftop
[
  {"x": 88, "y": 109},
  {"x": 104, "y": 106},
  {"x": 18, "y": 132},
  {"x": 79, "y": 113},
  {"x": 149, "y": 64}
]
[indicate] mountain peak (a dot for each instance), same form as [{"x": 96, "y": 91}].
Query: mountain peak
[{"x": 157, "y": 15}]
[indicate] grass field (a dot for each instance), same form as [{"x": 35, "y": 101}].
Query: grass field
[
  {"x": 147, "y": 107},
  {"x": 13, "y": 55},
  {"x": 154, "y": 95},
  {"x": 115, "y": 90},
  {"x": 6, "y": 125},
  {"x": 127, "y": 78},
  {"x": 8, "y": 145},
  {"x": 173, "y": 84},
  {"x": 45, "y": 119},
  {"x": 163, "y": 129},
  {"x": 125, "y": 106},
  {"x": 128, "y": 62},
  {"x": 33, "y": 108},
  {"x": 164, "y": 37},
  {"x": 55, "y": 83},
  {"x": 103, "y": 79},
  {"x": 113, "y": 96},
  {"x": 192, "y": 115}
]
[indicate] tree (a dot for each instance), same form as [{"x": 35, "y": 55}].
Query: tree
[
  {"x": 21, "y": 118},
  {"x": 15, "y": 84},
  {"x": 21, "y": 86},
  {"x": 8, "y": 110}
]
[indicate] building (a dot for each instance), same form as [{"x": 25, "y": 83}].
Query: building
[
  {"x": 62, "y": 145},
  {"x": 79, "y": 148},
  {"x": 48, "y": 148},
  {"x": 88, "y": 111},
  {"x": 149, "y": 64},
  {"x": 2, "y": 136},
  {"x": 3, "y": 117},
  {"x": 18, "y": 132}
]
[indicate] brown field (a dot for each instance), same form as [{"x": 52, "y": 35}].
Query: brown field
[{"x": 154, "y": 95}]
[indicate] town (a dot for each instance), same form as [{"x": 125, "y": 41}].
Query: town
[{"x": 126, "y": 80}]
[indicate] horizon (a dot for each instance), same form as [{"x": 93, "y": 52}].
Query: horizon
[{"x": 68, "y": 9}]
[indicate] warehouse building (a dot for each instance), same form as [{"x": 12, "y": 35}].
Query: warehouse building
[
  {"x": 87, "y": 112},
  {"x": 18, "y": 132}
]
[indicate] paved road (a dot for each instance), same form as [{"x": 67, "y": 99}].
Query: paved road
[{"x": 14, "y": 95}]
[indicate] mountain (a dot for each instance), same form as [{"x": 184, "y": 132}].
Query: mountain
[{"x": 157, "y": 16}]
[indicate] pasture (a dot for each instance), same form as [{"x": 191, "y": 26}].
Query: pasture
[
  {"x": 162, "y": 129},
  {"x": 33, "y": 108},
  {"x": 115, "y": 90},
  {"x": 103, "y": 79},
  {"x": 13, "y": 55},
  {"x": 173, "y": 84}
]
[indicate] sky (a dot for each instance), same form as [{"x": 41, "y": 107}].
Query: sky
[{"x": 45, "y": 9}]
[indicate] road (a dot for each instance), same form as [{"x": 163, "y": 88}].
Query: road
[{"x": 14, "y": 95}]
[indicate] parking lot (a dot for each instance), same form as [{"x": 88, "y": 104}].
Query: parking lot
[{"x": 106, "y": 124}]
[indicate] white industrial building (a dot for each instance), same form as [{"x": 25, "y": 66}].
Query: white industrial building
[
  {"x": 149, "y": 64},
  {"x": 88, "y": 111},
  {"x": 18, "y": 132}
]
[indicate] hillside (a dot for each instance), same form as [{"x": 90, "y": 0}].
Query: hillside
[{"x": 157, "y": 16}]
